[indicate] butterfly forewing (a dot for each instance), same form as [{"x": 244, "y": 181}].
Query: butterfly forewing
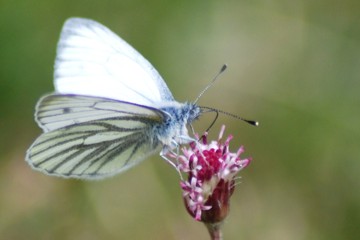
[
  {"x": 92, "y": 60},
  {"x": 88, "y": 137}
]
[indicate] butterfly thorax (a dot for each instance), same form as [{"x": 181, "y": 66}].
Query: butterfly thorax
[{"x": 173, "y": 131}]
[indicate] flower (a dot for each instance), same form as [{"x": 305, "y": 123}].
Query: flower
[{"x": 211, "y": 171}]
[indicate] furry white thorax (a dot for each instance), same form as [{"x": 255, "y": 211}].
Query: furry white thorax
[{"x": 174, "y": 131}]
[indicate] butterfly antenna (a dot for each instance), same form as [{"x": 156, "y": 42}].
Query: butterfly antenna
[
  {"x": 213, "y": 122},
  {"x": 251, "y": 122},
  {"x": 223, "y": 68}
]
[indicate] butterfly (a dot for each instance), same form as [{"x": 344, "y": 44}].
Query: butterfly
[{"x": 111, "y": 109}]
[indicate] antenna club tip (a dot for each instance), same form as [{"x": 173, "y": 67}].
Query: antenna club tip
[
  {"x": 254, "y": 123},
  {"x": 223, "y": 68}
]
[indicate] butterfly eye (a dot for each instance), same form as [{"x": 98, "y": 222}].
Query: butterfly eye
[{"x": 194, "y": 112}]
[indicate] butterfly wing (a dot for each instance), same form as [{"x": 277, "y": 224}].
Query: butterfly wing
[
  {"x": 90, "y": 137},
  {"x": 91, "y": 60}
]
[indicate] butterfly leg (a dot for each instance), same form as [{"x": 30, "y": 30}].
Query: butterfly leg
[{"x": 167, "y": 151}]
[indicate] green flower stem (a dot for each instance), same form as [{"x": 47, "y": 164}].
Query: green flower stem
[{"x": 214, "y": 230}]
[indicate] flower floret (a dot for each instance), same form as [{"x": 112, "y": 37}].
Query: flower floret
[{"x": 211, "y": 170}]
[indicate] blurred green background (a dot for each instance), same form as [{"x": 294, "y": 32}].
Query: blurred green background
[{"x": 293, "y": 65}]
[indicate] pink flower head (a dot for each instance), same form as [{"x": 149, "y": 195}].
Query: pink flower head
[{"x": 211, "y": 170}]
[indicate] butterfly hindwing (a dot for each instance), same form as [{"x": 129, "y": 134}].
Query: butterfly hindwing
[
  {"x": 91, "y": 138},
  {"x": 56, "y": 111}
]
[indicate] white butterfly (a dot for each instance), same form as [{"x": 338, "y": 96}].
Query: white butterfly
[{"x": 110, "y": 110}]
